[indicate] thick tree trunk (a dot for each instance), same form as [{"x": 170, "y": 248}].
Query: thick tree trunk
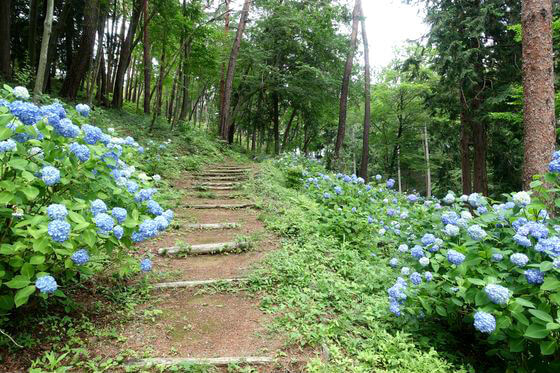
[
  {"x": 466, "y": 175},
  {"x": 367, "y": 104},
  {"x": 44, "y": 50},
  {"x": 223, "y": 77},
  {"x": 5, "y": 36},
  {"x": 346, "y": 83},
  {"x": 101, "y": 98},
  {"x": 480, "y": 182},
  {"x": 224, "y": 111},
  {"x": 276, "y": 122},
  {"x": 428, "y": 168},
  {"x": 126, "y": 52},
  {"x": 82, "y": 59},
  {"x": 287, "y": 131},
  {"x": 538, "y": 87},
  {"x": 147, "y": 59},
  {"x": 32, "y": 34}
]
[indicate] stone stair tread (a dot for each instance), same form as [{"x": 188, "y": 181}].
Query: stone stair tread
[
  {"x": 194, "y": 283},
  {"x": 216, "y": 361}
]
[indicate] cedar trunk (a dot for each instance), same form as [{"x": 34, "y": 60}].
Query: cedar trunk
[
  {"x": 346, "y": 83},
  {"x": 465, "y": 153},
  {"x": 147, "y": 59},
  {"x": 5, "y": 49},
  {"x": 538, "y": 87},
  {"x": 367, "y": 103}
]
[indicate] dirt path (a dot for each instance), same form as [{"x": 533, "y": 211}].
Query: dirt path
[{"x": 194, "y": 321}]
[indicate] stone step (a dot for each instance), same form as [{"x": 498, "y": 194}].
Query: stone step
[
  {"x": 215, "y": 361},
  {"x": 220, "y": 177},
  {"x": 213, "y": 226},
  {"x": 224, "y": 172},
  {"x": 213, "y": 184},
  {"x": 194, "y": 283},
  {"x": 208, "y": 248},
  {"x": 231, "y": 206}
]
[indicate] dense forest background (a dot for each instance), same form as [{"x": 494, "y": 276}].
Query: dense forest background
[{"x": 447, "y": 113}]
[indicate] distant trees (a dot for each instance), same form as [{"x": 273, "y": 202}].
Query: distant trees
[
  {"x": 5, "y": 37},
  {"x": 538, "y": 87}
]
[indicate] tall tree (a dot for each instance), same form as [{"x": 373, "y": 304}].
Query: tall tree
[
  {"x": 82, "y": 59},
  {"x": 346, "y": 82},
  {"x": 125, "y": 54},
  {"x": 223, "y": 77},
  {"x": 224, "y": 111},
  {"x": 367, "y": 102},
  {"x": 5, "y": 37},
  {"x": 538, "y": 87},
  {"x": 147, "y": 59},
  {"x": 44, "y": 49}
]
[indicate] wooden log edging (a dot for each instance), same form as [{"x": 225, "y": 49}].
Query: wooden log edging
[
  {"x": 232, "y": 206},
  {"x": 213, "y": 226},
  {"x": 208, "y": 248},
  {"x": 215, "y": 361},
  {"x": 194, "y": 283}
]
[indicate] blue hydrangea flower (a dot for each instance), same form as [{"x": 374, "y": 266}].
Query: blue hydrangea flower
[
  {"x": 83, "y": 110},
  {"x": 50, "y": 175},
  {"x": 118, "y": 231},
  {"x": 497, "y": 294},
  {"x": 394, "y": 307},
  {"x": 140, "y": 150},
  {"x": 378, "y": 177},
  {"x": 59, "y": 230},
  {"x": 92, "y": 134},
  {"x": 534, "y": 276},
  {"x": 519, "y": 223},
  {"x": 417, "y": 252},
  {"x": 154, "y": 207},
  {"x": 484, "y": 322},
  {"x": 476, "y": 232},
  {"x": 57, "y": 212},
  {"x": 28, "y": 113},
  {"x": 522, "y": 199},
  {"x": 428, "y": 239},
  {"x": 168, "y": 214},
  {"x": 390, "y": 183},
  {"x": 144, "y": 194},
  {"x": 428, "y": 276},
  {"x": 481, "y": 210},
  {"x": 338, "y": 190},
  {"x": 556, "y": 263},
  {"x": 162, "y": 222},
  {"x": 7, "y": 146},
  {"x": 98, "y": 207},
  {"x": 416, "y": 278},
  {"x": 412, "y": 198},
  {"x": 451, "y": 230},
  {"x": 394, "y": 262},
  {"x": 522, "y": 240},
  {"x": 80, "y": 151},
  {"x": 519, "y": 259},
  {"x": 138, "y": 237},
  {"x": 80, "y": 257},
  {"x": 326, "y": 195},
  {"x": 424, "y": 262},
  {"x": 146, "y": 265},
  {"x": 21, "y": 93},
  {"x": 148, "y": 228},
  {"x": 455, "y": 257},
  {"x": 449, "y": 199},
  {"x": 475, "y": 200},
  {"x": 119, "y": 214},
  {"x": 551, "y": 246},
  {"x": 497, "y": 257},
  {"x": 46, "y": 284},
  {"x": 67, "y": 129},
  {"x": 104, "y": 222},
  {"x": 403, "y": 248}
]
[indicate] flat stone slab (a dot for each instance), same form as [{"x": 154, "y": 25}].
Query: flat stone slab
[
  {"x": 212, "y": 184},
  {"x": 194, "y": 283},
  {"x": 210, "y": 248},
  {"x": 216, "y": 361},
  {"x": 213, "y": 226},
  {"x": 230, "y": 206}
]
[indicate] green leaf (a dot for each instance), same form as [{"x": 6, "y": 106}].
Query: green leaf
[
  {"x": 18, "y": 164},
  {"x": 5, "y": 133},
  {"x": 76, "y": 218},
  {"x": 22, "y": 295},
  {"x": 550, "y": 284},
  {"x": 552, "y": 326},
  {"x": 89, "y": 237},
  {"x": 5, "y": 197},
  {"x": 541, "y": 315},
  {"x": 548, "y": 347},
  {"x": 476, "y": 281},
  {"x": 441, "y": 311},
  {"x": 536, "y": 331},
  {"x": 516, "y": 345},
  {"x": 521, "y": 318},
  {"x": 27, "y": 270},
  {"x": 37, "y": 259},
  {"x": 524, "y": 302},
  {"x": 30, "y": 192},
  {"x": 6, "y": 302},
  {"x": 17, "y": 282}
]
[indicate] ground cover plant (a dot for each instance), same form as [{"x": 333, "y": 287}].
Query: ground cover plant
[{"x": 483, "y": 268}]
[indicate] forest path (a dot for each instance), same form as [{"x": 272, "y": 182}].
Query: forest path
[{"x": 197, "y": 314}]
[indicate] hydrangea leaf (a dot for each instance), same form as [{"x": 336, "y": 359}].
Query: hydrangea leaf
[
  {"x": 18, "y": 282},
  {"x": 548, "y": 347},
  {"x": 22, "y": 295},
  {"x": 6, "y": 302},
  {"x": 5, "y": 197},
  {"x": 516, "y": 345},
  {"x": 37, "y": 259},
  {"x": 524, "y": 302},
  {"x": 18, "y": 164},
  {"x": 550, "y": 284},
  {"x": 27, "y": 270},
  {"x": 541, "y": 315},
  {"x": 5, "y": 133},
  {"x": 30, "y": 192},
  {"x": 537, "y": 331}
]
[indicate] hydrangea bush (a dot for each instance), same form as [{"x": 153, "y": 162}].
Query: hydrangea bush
[
  {"x": 493, "y": 267},
  {"x": 72, "y": 199}
]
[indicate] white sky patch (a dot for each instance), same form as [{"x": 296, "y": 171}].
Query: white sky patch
[{"x": 390, "y": 23}]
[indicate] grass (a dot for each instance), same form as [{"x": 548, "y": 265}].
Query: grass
[{"x": 331, "y": 295}]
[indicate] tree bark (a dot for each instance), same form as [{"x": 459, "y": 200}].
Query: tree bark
[
  {"x": 223, "y": 77},
  {"x": 126, "y": 52},
  {"x": 224, "y": 112},
  {"x": 81, "y": 60},
  {"x": 99, "y": 55},
  {"x": 346, "y": 84},
  {"x": 287, "y": 131},
  {"x": 5, "y": 37},
  {"x": 466, "y": 176},
  {"x": 538, "y": 87},
  {"x": 147, "y": 59},
  {"x": 367, "y": 104},
  {"x": 32, "y": 34},
  {"x": 428, "y": 168},
  {"x": 480, "y": 184},
  {"x": 44, "y": 50},
  {"x": 276, "y": 122}
]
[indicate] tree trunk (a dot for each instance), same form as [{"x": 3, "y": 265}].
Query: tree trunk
[
  {"x": 276, "y": 122},
  {"x": 101, "y": 98},
  {"x": 346, "y": 84},
  {"x": 81, "y": 60},
  {"x": 44, "y": 50},
  {"x": 367, "y": 104},
  {"x": 480, "y": 182},
  {"x": 224, "y": 111},
  {"x": 147, "y": 59},
  {"x": 223, "y": 77},
  {"x": 538, "y": 87},
  {"x": 5, "y": 37},
  {"x": 427, "y": 156},
  {"x": 126, "y": 51},
  {"x": 465, "y": 152},
  {"x": 399, "y": 168},
  {"x": 99, "y": 55},
  {"x": 159, "y": 92},
  {"x": 32, "y": 34},
  {"x": 287, "y": 131}
]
